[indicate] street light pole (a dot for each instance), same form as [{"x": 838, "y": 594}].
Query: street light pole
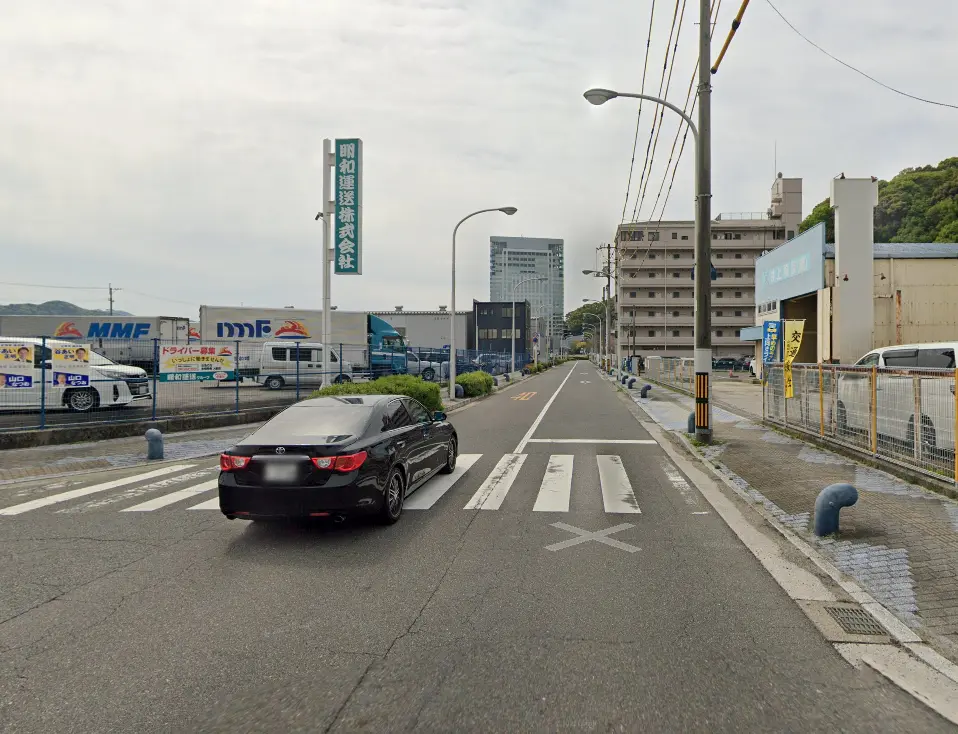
[
  {"x": 509, "y": 210},
  {"x": 512, "y": 364},
  {"x": 703, "y": 219}
]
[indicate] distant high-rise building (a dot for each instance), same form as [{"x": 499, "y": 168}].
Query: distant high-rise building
[{"x": 515, "y": 259}]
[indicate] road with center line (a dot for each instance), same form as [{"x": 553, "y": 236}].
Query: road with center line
[{"x": 566, "y": 577}]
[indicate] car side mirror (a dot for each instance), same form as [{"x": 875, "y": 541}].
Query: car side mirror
[{"x": 439, "y": 416}]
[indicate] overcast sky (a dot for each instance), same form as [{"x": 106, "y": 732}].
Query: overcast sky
[{"x": 173, "y": 148}]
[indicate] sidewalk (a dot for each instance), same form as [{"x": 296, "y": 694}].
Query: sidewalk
[{"x": 900, "y": 541}]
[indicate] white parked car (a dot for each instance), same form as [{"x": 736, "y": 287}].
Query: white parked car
[
  {"x": 898, "y": 394},
  {"x": 423, "y": 368},
  {"x": 111, "y": 384},
  {"x": 278, "y": 365}
]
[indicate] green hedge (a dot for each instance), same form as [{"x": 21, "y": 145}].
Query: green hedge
[
  {"x": 427, "y": 393},
  {"x": 475, "y": 384}
]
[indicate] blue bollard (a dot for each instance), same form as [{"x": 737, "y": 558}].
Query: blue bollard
[
  {"x": 691, "y": 426},
  {"x": 631, "y": 382},
  {"x": 154, "y": 444},
  {"x": 828, "y": 504},
  {"x": 624, "y": 379},
  {"x": 644, "y": 392}
]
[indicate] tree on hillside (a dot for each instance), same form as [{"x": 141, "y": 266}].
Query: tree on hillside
[{"x": 917, "y": 205}]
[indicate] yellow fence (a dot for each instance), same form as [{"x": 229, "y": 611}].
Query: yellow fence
[{"x": 909, "y": 417}]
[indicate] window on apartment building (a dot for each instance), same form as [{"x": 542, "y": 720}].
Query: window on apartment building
[
  {"x": 675, "y": 332},
  {"x": 654, "y": 236},
  {"x": 651, "y": 332},
  {"x": 488, "y": 333},
  {"x": 685, "y": 237},
  {"x": 676, "y": 274},
  {"x": 780, "y": 234},
  {"x": 651, "y": 274},
  {"x": 791, "y": 234},
  {"x": 738, "y": 332},
  {"x": 738, "y": 235},
  {"x": 738, "y": 294},
  {"x": 631, "y": 314},
  {"x": 639, "y": 236},
  {"x": 631, "y": 294},
  {"x": 675, "y": 235},
  {"x": 507, "y": 333},
  {"x": 651, "y": 256},
  {"x": 720, "y": 255},
  {"x": 675, "y": 314},
  {"x": 719, "y": 274},
  {"x": 719, "y": 294},
  {"x": 651, "y": 294},
  {"x": 727, "y": 235},
  {"x": 651, "y": 314},
  {"x": 675, "y": 255},
  {"x": 714, "y": 235},
  {"x": 719, "y": 313},
  {"x": 675, "y": 294},
  {"x": 738, "y": 275},
  {"x": 738, "y": 313},
  {"x": 719, "y": 333},
  {"x": 738, "y": 255}
]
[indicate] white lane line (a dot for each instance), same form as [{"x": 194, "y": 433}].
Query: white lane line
[
  {"x": 678, "y": 481},
  {"x": 617, "y": 494},
  {"x": 497, "y": 485},
  {"x": 131, "y": 494},
  {"x": 213, "y": 504},
  {"x": 93, "y": 489},
  {"x": 168, "y": 499},
  {"x": 556, "y": 487},
  {"x": 425, "y": 497},
  {"x": 535, "y": 424},
  {"x": 633, "y": 441}
]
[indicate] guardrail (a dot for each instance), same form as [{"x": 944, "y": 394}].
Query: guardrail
[
  {"x": 906, "y": 416},
  {"x": 126, "y": 380}
]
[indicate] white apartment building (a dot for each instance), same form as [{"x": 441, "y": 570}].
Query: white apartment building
[
  {"x": 515, "y": 259},
  {"x": 654, "y": 261}
]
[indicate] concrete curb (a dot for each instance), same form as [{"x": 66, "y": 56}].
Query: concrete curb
[{"x": 903, "y": 636}]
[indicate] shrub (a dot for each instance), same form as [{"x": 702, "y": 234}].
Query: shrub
[
  {"x": 475, "y": 384},
  {"x": 427, "y": 393}
]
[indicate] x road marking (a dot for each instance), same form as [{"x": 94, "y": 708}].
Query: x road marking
[
  {"x": 600, "y": 536},
  {"x": 523, "y": 396}
]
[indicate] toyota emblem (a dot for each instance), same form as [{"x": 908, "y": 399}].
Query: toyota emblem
[{"x": 280, "y": 450}]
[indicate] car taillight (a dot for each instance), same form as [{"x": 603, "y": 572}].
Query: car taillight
[
  {"x": 229, "y": 463},
  {"x": 348, "y": 463}
]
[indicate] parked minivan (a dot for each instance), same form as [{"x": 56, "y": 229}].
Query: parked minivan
[
  {"x": 111, "y": 384},
  {"x": 278, "y": 365},
  {"x": 897, "y": 394}
]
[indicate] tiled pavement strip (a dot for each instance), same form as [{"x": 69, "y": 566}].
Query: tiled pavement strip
[{"x": 900, "y": 541}]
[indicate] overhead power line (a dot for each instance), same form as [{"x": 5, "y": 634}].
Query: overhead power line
[
  {"x": 638, "y": 117},
  {"x": 857, "y": 71}
]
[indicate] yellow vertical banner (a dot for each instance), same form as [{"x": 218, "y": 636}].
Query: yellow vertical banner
[{"x": 792, "y": 342}]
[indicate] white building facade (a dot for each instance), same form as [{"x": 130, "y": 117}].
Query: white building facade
[{"x": 515, "y": 259}]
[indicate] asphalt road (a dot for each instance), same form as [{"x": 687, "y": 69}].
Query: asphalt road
[{"x": 455, "y": 619}]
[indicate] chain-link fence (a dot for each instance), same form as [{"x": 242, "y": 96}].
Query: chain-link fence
[
  {"x": 46, "y": 382},
  {"x": 907, "y": 416}
]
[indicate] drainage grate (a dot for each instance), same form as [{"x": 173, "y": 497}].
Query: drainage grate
[{"x": 855, "y": 621}]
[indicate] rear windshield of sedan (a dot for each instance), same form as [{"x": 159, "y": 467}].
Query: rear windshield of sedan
[{"x": 308, "y": 424}]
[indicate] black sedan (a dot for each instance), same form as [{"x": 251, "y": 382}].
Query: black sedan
[{"x": 336, "y": 456}]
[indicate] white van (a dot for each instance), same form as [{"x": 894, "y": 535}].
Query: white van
[
  {"x": 897, "y": 394},
  {"x": 278, "y": 365},
  {"x": 111, "y": 384}
]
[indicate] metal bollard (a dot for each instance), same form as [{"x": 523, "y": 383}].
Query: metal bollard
[
  {"x": 828, "y": 504},
  {"x": 690, "y": 428},
  {"x": 508, "y": 376},
  {"x": 644, "y": 392},
  {"x": 631, "y": 382},
  {"x": 625, "y": 378},
  {"x": 460, "y": 391},
  {"x": 154, "y": 444},
  {"x": 495, "y": 382}
]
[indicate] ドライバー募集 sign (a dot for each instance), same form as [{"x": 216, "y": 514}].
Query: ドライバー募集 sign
[{"x": 348, "y": 222}]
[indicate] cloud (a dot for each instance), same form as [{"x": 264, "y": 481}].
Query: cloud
[{"x": 174, "y": 149}]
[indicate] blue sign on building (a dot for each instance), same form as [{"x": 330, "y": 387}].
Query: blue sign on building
[{"x": 793, "y": 269}]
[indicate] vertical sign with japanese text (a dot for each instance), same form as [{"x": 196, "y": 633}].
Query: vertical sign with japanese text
[
  {"x": 793, "y": 342},
  {"x": 348, "y": 213}
]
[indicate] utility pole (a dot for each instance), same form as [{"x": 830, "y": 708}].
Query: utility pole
[
  {"x": 703, "y": 234},
  {"x": 112, "y": 289}
]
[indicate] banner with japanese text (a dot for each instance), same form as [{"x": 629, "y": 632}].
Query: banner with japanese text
[
  {"x": 792, "y": 343},
  {"x": 197, "y": 363},
  {"x": 16, "y": 365},
  {"x": 71, "y": 365},
  {"x": 348, "y": 213},
  {"x": 770, "y": 342}
]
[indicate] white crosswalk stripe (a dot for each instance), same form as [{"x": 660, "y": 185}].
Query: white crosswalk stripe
[
  {"x": 617, "y": 494},
  {"x": 427, "y": 495},
  {"x": 561, "y": 476},
  {"x": 556, "y": 488},
  {"x": 169, "y": 499},
  {"x": 86, "y": 491},
  {"x": 497, "y": 485}
]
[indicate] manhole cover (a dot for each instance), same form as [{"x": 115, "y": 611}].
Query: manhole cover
[{"x": 855, "y": 621}]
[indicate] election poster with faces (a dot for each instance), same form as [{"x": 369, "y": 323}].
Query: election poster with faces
[
  {"x": 16, "y": 365},
  {"x": 71, "y": 365}
]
